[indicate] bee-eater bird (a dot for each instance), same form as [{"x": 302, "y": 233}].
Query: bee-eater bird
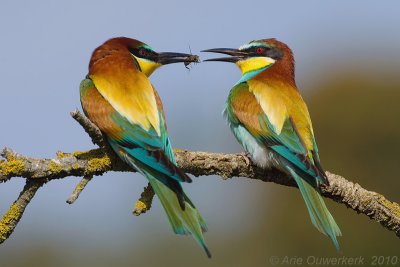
[
  {"x": 271, "y": 121},
  {"x": 118, "y": 97}
]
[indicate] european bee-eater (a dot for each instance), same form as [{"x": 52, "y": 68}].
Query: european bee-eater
[
  {"x": 271, "y": 121},
  {"x": 118, "y": 97}
]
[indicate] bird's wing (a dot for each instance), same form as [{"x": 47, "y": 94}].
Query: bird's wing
[
  {"x": 131, "y": 94},
  {"x": 267, "y": 115},
  {"x": 149, "y": 146},
  {"x": 167, "y": 147}
]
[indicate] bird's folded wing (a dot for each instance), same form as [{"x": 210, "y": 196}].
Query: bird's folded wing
[
  {"x": 145, "y": 145},
  {"x": 263, "y": 121}
]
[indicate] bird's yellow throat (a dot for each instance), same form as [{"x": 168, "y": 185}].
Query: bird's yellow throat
[
  {"x": 254, "y": 63},
  {"x": 147, "y": 66}
]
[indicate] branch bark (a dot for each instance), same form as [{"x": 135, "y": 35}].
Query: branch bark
[
  {"x": 98, "y": 161},
  {"x": 12, "y": 217}
]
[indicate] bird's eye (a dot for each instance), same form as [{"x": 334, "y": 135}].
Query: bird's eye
[
  {"x": 143, "y": 52},
  {"x": 260, "y": 50}
]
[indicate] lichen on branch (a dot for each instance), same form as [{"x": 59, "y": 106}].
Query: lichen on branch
[{"x": 98, "y": 161}]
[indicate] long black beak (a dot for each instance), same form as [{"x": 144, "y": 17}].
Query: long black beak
[
  {"x": 172, "y": 57},
  {"x": 235, "y": 54}
]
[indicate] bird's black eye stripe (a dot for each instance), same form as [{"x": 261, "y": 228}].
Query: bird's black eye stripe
[
  {"x": 258, "y": 50},
  {"x": 143, "y": 52},
  {"x": 265, "y": 51}
]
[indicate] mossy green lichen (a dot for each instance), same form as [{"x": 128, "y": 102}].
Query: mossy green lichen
[
  {"x": 12, "y": 167},
  {"x": 178, "y": 150},
  {"x": 98, "y": 164},
  {"x": 75, "y": 166},
  {"x": 393, "y": 206},
  {"x": 54, "y": 167},
  {"x": 97, "y": 159},
  {"x": 140, "y": 207},
  {"x": 7, "y": 223},
  {"x": 79, "y": 187},
  {"x": 61, "y": 154}
]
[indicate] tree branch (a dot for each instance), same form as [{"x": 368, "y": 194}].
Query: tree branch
[
  {"x": 98, "y": 161},
  {"x": 144, "y": 202},
  {"x": 12, "y": 217},
  {"x": 91, "y": 129},
  {"x": 79, "y": 188}
]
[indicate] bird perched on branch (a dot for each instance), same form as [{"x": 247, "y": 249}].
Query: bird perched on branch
[
  {"x": 271, "y": 121},
  {"x": 118, "y": 97}
]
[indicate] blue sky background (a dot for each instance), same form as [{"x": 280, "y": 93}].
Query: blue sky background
[{"x": 45, "y": 47}]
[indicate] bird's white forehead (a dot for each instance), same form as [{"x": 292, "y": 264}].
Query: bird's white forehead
[{"x": 250, "y": 45}]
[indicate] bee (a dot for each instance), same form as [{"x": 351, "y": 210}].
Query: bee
[{"x": 191, "y": 59}]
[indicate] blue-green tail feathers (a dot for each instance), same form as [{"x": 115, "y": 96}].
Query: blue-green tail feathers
[
  {"x": 184, "y": 222},
  {"x": 319, "y": 213},
  {"x": 182, "y": 214},
  {"x": 308, "y": 181},
  {"x": 307, "y": 174}
]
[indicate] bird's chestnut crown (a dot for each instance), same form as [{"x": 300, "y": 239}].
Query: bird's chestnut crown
[{"x": 145, "y": 58}]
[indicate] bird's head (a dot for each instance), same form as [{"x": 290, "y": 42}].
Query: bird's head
[
  {"x": 255, "y": 57},
  {"x": 149, "y": 60},
  {"x": 145, "y": 58}
]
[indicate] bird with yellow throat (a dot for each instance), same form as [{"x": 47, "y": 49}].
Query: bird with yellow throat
[
  {"x": 269, "y": 118},
  {"x": 118, "y": 97}
]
